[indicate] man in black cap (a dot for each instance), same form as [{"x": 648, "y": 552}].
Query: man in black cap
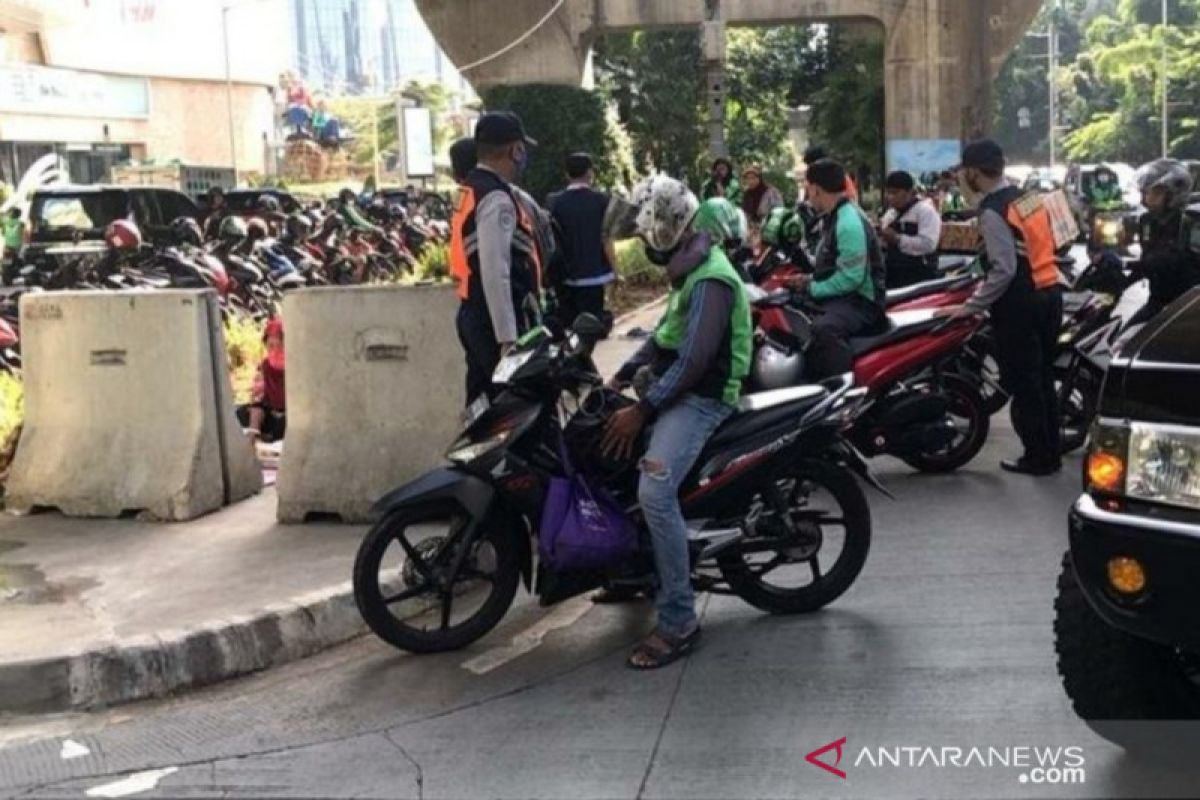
[
  {"x": 910, "y": 230},
  {"x": 494, "y": 253},
  {"x": 1021, "y": 292},
  {"x": 586, "y": 259}
]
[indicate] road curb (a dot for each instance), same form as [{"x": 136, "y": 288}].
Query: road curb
[
  {"x": 628, "y": 315},
  {"x": 143, "y": 667}
]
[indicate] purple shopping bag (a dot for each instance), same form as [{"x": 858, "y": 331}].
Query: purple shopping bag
[{"x": 583, "y": 527}]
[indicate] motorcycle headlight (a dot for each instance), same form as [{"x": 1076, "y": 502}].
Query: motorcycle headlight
[
  {"x": 1163, "y": 462},
  {"x": 465, "y": 451},
  {"x": 509, "y": 365}
]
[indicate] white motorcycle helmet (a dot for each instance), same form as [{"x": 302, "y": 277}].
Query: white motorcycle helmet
[
  {"x": 665, "y": 209},
  {"x": 776, "y": 367}
]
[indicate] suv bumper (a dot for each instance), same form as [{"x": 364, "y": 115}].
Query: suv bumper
[{"x": 1168, "y": 610}]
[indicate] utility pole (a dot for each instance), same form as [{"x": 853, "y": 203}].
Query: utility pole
[
  {"x": 1053, "y": 48},
  {"x": 713, "y": 45},
  {"x": 229, "y": 92},
  {"x": 1166, "y": 105}
]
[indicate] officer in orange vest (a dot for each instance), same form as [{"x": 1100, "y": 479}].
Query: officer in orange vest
[
  {"x": 1021, "y": 292},
  {"x": 494, "y": 255}
]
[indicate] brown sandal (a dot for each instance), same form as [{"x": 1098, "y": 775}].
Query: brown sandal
[{"x": 660, "y": 649}]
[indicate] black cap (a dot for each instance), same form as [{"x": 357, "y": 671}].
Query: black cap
[
  {"x": 900, "y": 180},
  {"x": 814, "y": 154},
  {"x": 983, "y": 154},
  {"x": 501, "y": 127}
]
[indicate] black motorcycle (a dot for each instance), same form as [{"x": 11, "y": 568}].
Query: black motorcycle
[{"x": 775, "y": 514}]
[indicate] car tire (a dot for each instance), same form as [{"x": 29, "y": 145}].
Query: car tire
[{"x": 1113, "y": 678}]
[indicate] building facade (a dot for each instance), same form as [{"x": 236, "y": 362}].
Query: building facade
[{"x": 107, "y": 81}]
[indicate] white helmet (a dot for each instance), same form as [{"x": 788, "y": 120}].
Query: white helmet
[
  {"x": 776, "y": 367},
  {"x": 665, "y": 208}
]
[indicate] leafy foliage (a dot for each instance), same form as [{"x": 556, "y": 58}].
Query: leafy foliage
[
  {"x": 563, "y": 119},
  {"x": 245, "y": 349}
]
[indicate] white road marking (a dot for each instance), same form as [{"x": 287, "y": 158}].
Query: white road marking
[
  {"x": 566, "y": 614},
  {"x": 136, "y": 783},
  {"x": 73, "y": 749}
]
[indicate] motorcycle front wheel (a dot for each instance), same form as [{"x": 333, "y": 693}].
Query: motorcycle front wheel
[
  {"x": 804, "y": 562},
  {"x": 422, "y": 585}
]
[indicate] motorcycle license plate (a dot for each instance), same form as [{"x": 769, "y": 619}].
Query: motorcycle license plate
[{"x": 476, "y": 410}]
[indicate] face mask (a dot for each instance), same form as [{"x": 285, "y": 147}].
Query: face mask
[{"x": 660, "y": 258}]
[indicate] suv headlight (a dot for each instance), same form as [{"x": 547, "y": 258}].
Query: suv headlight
[{"x": 1164, "y": 464}]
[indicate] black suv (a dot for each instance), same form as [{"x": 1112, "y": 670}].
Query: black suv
[
  {"x": 1127, "y": 621},
  {"x": 63, "y": 216}
]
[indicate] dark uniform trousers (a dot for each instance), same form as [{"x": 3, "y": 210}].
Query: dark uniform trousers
[
  {"x": 841, "y": 319},
  {"x": 478, "y": 340},
  {"x": 1027, "y": 329}
]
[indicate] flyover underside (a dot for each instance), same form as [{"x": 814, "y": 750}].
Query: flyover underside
[{"x": 940, "y": 55}]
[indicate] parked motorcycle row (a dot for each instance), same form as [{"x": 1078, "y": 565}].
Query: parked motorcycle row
[{"x": 249, "y": 260}]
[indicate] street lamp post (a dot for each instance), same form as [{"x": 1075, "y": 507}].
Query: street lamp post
[{"x": 229, "y": 90}]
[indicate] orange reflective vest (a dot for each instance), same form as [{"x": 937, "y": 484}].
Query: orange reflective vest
[
  {"x": 1033, "y": 231},
  {"x": 464, "y": 242}
]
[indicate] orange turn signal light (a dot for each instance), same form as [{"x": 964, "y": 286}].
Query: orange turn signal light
[
  {"x": 1126, "y": 575},
  {"x": 1105, "y": 471}
]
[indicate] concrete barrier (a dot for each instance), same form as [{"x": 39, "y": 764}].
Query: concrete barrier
[
  {"x": 128, "y": 407},
  {"x": 375, "y": 389}
]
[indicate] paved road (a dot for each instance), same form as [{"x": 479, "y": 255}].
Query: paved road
[{"x": 945, "y": 641}]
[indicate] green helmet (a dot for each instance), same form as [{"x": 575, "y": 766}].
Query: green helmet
[
  {"x": 719, "y": 218},
  {"x": 782, "y": 227}
]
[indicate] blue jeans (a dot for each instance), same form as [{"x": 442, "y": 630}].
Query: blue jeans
[{"x": 679, "y": 436}]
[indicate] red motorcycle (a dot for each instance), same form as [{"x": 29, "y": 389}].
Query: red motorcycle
[
  {"x": 920, "y": 409},
  {"x": 10, "y": 342}
]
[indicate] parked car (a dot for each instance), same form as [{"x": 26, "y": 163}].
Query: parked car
[
  {"x": 66, "y": 220},
  {"x": 1127, "y": 616},
  {"x": 245, "y": 201}
]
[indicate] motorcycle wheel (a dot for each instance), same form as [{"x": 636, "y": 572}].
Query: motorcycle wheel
[
  {"x": 972, "y": 421},
  {"x": 780, "y": 571},
  {"x": 411, "y": 594}
]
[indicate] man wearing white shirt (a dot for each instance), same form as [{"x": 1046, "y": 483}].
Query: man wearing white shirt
[{"x": 910, "y": 231}]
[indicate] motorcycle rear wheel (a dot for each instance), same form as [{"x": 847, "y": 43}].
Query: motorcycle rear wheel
[
  {"x": 749, "y": 579},
  {"x": 412, "y": 607},
  {"x": 967, "y": 404}
]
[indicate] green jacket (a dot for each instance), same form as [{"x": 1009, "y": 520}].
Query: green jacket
[
  {"x": 733, "y": 190},
  {"x": 725, "y": 381},
  {"x": 849, "y": 259}
]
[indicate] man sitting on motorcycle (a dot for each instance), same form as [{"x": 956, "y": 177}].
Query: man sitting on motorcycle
[
  {"x": 848, "y": 282},
  {"x": 1166, "y": 259},
  {"x": 1105, "y": 192},
  {"x": 698, "y": 357}
]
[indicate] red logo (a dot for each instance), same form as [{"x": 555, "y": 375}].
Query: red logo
[{"x": 814, "y": 757}]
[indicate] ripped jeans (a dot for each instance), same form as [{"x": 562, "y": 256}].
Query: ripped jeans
[{"x": 679, "y": 436}]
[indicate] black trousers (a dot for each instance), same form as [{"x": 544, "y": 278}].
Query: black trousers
[
  {"x": 478, "y": 340},
  {"x": 576, "y": 300},
  {"x": 902, "y": 272},
  {"x": 840, "y": 319},
  {"x": 1026, "y": 336}
]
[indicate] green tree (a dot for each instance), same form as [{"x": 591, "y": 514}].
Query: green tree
[
  {"x": 848, "y": 109},
  {"x": 654, "y": 79}
]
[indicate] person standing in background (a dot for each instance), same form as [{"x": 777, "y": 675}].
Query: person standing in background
[
  {"x": 910, "y": 231},
  {"x": 759, "y": 198},
  {"x": 586, "y": 260},
  {"x": 722, "y": 183}
]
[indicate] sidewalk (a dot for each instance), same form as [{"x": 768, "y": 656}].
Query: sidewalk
[{"x": 97, "y": 612}]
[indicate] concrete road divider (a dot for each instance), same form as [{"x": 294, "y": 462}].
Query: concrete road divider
[
  {"x": 375, "y": 390},
  {"x": 128, "y": 407}
]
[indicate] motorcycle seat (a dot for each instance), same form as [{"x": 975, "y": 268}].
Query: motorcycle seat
[
  {"x": 900, "y": 327},
  {"x": 953, "y": 263},
  {"x": 924, "y": 288},
  {"x": 769, "y": 410}
]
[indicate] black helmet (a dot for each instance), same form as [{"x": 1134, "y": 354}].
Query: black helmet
[
  {"x": 269, "y": 204},
  {"x": 396, "y": 213},
  {"x": 185, "y": 230},
  {"x": 233, "y": 229},
  {"x": 257, "y": 229},
  {"x": 347, "y": 196},
  {"x": 299, "y": 226}
]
